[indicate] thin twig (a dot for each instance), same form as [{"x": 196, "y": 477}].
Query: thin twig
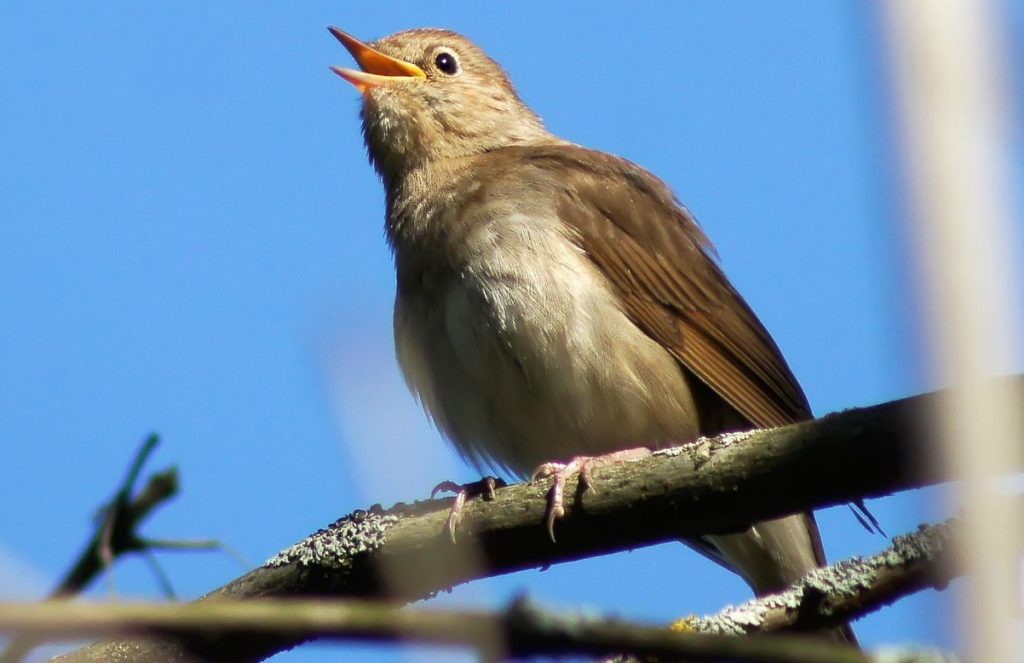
[{"x": 118, "y": 521}]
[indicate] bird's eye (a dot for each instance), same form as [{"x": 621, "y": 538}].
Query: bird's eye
[{"x": 446, "y": 63}]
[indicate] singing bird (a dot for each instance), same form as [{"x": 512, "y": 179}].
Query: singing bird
[{"x": 556, "y": 302}]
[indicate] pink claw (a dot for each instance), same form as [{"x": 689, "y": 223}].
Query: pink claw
[
  {"x": 484, "y": 487},
  {"x": 584, "y": 466}
]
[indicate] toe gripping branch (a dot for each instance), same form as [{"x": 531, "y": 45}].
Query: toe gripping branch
[{"x": 485, "y": 488}]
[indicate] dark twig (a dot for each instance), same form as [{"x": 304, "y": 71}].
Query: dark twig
[
  {"x": 117, "y": 533},
  {"x": 161, "y": 577},
  {"x": 117, "y": 523},
  {"x": 191, "y": 545}
]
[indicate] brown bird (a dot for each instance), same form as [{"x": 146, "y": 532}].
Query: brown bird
[{"x": 554, "y": 301}]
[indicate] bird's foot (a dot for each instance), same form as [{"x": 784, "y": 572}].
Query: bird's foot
[
  {"x": 484, "y": 487},
  {"x": 584, "y": 466}
]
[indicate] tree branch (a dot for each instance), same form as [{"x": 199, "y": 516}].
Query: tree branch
[
  {"x": 846, "y": 590},
  {"x": 825, "y": 598},
  {"x": 522, "y": 630},
  {"x": 117, "y": 525},
  {"x": 713, "y": 485},
  {"x": 118, "y": 521}
]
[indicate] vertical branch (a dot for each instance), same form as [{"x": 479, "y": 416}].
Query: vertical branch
[{"x": 950, "y": 84}]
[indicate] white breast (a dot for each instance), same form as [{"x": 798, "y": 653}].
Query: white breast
[{"x": 523, "y": 355}]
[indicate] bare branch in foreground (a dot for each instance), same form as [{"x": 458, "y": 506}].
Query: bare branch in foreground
[
  {"x": 527, "y": 629},
  {"x": 827, "y": 597},
  {"x": 710, "y": 486}
]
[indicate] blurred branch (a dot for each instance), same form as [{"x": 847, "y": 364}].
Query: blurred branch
[
  {"x": 955, "y": 79},
  {"x": 118, "y": 521},
  {"x": 825, "y": 598},
  {"x": 713, "y": 485},
  {"x": 116, "y": 533},
  {"x": 523, "y": 630}
]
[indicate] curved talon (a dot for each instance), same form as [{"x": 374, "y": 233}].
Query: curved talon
[
  {"x": 485, "y": 487},
  {"x": 446, "y": 487},
  {"x": 491, "y": 484},
  {"x": 585, "y": 475},
  {"x": 455, "y": 514},
  {"x": 554, "y": 513},
  {"x": 560, "y": 472},
  {"x": 583, "y": 466}
]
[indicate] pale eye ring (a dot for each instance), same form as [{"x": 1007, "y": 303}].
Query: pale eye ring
[{"x": 447, "y": 63}]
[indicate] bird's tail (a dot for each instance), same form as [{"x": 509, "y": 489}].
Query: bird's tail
[{"x": 772, "y": 555}]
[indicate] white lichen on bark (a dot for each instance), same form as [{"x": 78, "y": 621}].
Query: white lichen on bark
[
  {"x": 335, "y": 546},
  {"x": 844, "y": 580}
]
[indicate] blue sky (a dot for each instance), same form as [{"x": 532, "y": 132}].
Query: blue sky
[{"x": 191, "y": 243}]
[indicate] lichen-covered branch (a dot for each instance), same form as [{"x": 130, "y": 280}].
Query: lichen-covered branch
[
  {"x": 833, "y": 595},
  {"x": 847, "y": 589},
  {"x": 713, "y": 485}
]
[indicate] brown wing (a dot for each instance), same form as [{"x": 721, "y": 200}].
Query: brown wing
[{"x": 654, "y": 253}]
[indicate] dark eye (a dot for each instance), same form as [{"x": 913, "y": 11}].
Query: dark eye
[{"x": 446, "y": 63}]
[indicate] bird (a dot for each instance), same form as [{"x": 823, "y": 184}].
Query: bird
[{"x": 554, "y": 302}]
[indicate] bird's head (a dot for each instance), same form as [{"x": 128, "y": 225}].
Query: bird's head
[{"x": 432, "y": 95}]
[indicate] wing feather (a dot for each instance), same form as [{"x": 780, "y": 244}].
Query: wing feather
[{"x": 654, "y": 253}]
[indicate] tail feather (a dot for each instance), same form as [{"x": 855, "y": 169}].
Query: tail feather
[{"x": 773, "y": 555}]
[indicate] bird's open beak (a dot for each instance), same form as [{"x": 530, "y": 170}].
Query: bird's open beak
[{"x": 377, "y": 69}]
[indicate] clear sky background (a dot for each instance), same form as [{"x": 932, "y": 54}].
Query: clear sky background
[{"x": 191, "y": 243}]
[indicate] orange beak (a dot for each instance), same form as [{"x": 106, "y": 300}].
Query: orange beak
[{"x": 377, "y": 69}]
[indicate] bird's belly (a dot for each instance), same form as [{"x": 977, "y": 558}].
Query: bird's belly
[{"x": 520, "y": 369}]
